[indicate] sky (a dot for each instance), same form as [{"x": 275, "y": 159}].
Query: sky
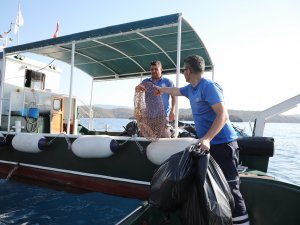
[{"x": 254, "y": 45}]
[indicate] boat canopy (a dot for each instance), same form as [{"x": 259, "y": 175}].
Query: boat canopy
[{"x": 125, "y": 50}]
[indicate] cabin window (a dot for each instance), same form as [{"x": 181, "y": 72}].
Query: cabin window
[
  {"x": 34, "y": 80},
  {"x": 57, "y": 104}
]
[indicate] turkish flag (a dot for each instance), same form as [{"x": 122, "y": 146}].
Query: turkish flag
[{"x": 55, "y": 35}]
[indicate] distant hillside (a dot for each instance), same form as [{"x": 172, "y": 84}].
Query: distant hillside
[
  {"x": 246, "y": 116},
  {"x": 105, "y": 111},
  {"x": 185, "y": 114}
]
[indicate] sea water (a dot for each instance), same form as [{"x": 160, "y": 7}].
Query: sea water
[
  {"x": 285, "y": 163},
  {"x": 31, "y": 204}
]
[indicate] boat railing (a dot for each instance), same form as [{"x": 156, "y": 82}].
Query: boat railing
[
  {"x": 85, "y": 112},
  {"x": 281, "y": 107},
  {"x": 9, "y": 116}
]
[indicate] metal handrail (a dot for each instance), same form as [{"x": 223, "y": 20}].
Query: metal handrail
[{"x": 89, "y": 113}]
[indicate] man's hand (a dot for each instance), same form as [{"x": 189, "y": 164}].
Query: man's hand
[
  {"x": 140, "y": 88},
  {"x": 204, "y": 144},
  {"x": 171, "y": 116},
  {"x": 157, "y": 91}
]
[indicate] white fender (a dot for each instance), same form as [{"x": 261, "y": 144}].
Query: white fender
[
  {"x": 159, "y": 151},
  {"x": 29, "y": 142},
  {"x": 96, "y": 146}
]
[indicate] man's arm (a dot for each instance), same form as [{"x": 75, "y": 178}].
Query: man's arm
[
  {"x": 172, "y": 112},
  {"x": 218, "y": 124},
  {"x": 173, "y": 91}
]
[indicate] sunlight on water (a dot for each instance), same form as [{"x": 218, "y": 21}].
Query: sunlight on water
[{"x": 286, "y": 161}]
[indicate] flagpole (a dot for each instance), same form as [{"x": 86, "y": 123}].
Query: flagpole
[
  {"x": 18, "y": 33},
  {"x": 19, "y": 22}
]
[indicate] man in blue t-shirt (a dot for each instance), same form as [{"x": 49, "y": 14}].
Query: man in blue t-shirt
[
  {"x": 213, "y": 127},
  {"x": 158, "y": 80}
]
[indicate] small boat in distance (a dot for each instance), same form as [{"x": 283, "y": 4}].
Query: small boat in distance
[{"x": 39, "y": 125}]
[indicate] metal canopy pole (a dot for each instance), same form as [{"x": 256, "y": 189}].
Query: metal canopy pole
[
  {"x": 2, "y": 84},
  {"x": 91, "y": 116},
  {"x": 178, "y": 71},
  {"x": 71, "y": 87}
]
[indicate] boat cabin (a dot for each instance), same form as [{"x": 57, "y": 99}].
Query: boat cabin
[{"x": 31, "y": 99}]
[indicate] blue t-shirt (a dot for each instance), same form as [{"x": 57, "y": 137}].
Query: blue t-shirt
[
  {"x": 205, "y": 94},
  {"x": 163, "y": 82}
]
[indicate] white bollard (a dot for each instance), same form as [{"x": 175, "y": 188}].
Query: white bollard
[{"x": 17, "y": 126}]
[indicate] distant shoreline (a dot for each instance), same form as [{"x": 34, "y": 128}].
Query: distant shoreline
[{"x": 185, "y": 114}]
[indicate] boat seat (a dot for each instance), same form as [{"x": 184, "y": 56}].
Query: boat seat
[{"x": 256, "y": 146}]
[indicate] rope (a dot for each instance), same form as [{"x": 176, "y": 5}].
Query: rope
[
  {"x": 139, "y": 146},
  {"x": 33, "y": 123},
  {"x": 68, "y": 141},
  {"x": 66, "y": 138},
  {"x": 135, "y": 140},
  {"x": 5, "y": 137},
  {"x": 45, "y": 66}
]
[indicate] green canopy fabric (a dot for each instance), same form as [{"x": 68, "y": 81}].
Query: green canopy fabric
[{"x": 124, "y": 50}]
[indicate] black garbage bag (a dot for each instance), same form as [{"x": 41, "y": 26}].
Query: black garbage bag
[
  {"x": 210, "y": 201},
  {"x": 215, "y": 173},
  {"x": 192, "y": 183},
  {"x": 218, "y": 196},
  {"x": 172, "y": 181},
  {"x": 131, "y": 129},
  {"x": 194, "y": 210}
]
